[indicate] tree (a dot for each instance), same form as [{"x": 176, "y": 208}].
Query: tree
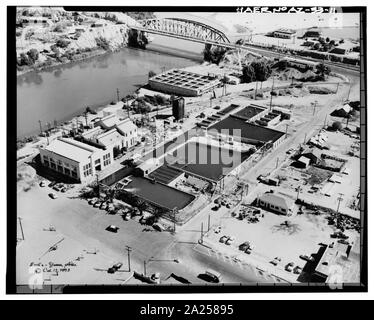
[
  {"x": 317, "y": 46},
  {"x": 25, "y": 60},
  {"x": 151, "y": 74},
  {"x": 322, "y": 70},
  {"x": 214, "y": 54},
  {"x": 141, "y": 205},
  {"x": 248, "y": 74},
  {"x": 336, "y": 126},
  {"x": 62, "y": 43},
  {"x": 262, "y": 70}
]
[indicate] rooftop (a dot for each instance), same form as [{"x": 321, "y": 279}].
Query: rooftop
[
  {"x": 185, "y": 79},
  {"x": 249, "y": 112},
  {"x": 109, "y": 137},
  {"x": 159, "y": 194},
  {"x": 71, "y": 149},
  {"x": 247, "y": 130},
  {"x": 109, "y": 121},
  {"x": 285, "y": 30},
  {"x": 277, "y": 200},
  {"x": 126, "y": 126},
  {"x": 337, "y": 257}
]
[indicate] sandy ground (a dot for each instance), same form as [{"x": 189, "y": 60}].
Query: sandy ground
[
  {"x": 270, "y": 239},
  {"x": 84, "y": 234}
]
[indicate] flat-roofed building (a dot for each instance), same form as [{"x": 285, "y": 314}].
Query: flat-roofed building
[
  {"x": 340, "y": 263},
  {"x": 251, "y": 112},
  {"x": 112, "y": 132},
  {"x": 75, "y": 159},
  {"x": 278, "y": 203},
  {"x": 242, "y": 131},
  {"x": 284, "y": 33},
  {"x": 183, "y": 83}
]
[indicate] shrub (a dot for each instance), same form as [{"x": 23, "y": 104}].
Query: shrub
[
  {"x": 102, "y": 43},
  {"x": 336, "y": 126},
  {"x": 62, "y": 43}
]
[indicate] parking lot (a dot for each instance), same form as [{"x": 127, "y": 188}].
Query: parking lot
[
  {"x": 87, "y": 227},
  {"x": 270, "y": 237}
]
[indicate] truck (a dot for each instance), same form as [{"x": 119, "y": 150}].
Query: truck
[{"x": 215, "y": 276}]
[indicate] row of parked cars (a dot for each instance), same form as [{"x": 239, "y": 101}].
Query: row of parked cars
[
  {"x": 57, "y": 186},
  {"x": 221, "y": 202},
  {"x": 98, "y": 203}
]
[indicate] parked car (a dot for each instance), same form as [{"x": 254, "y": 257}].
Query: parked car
[
  {"x": 289, "y": 266},
  {"x": 248, "y": 251},
  {"x": 307, "y": 258},
  {"x": 156, "y": 277},
  {"x": 53, "y": 195},
  {"x": 64, "y": 189},
  {"x": 274, "y": 261},
  {"x": 297, "y": 270},
  {"x": 244, "y": 246},
  {"x": 103, "y": 205},
  {"x": 218, "y": 229},
  {"x": 158, "y": 227},
  {"x": 230, "y": 240},
  {"x": 42, "y": 184},
  {"x": 223, "y": 239},
  {"x": 112, "y": 228},
  {"x": 92, "y": 200},
  {"x": 115, "y": 267},
  {"x": 97, "y": 204}
]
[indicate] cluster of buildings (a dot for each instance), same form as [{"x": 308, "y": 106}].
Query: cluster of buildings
[{"x": 93, "y": 151}]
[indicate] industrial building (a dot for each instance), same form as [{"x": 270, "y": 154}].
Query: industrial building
[
  {"x": 178, "y": 108},
  {"x": 74, "y": 159},
  {"x": 251, "y": 112},
  {"x": 276, "y": 203},
  {"x": 245, "y": 132},
  {"x": 111, "y": 132},
  {"x": 183, "y": 83},
  {"x": 284, "y": 33}
]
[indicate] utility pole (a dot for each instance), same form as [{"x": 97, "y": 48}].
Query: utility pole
[
  {"x": 349, "y": 91},
  {"x": 202, "y": 232},
  {"x": 256, "y": 91},
  {"x": 305, "y": 138},
  {"x": 277, "y": 162},
  {"x": 40, "y": 126},
  {"x": 271, "y": 93},
  {"x": 337, "y": 87},
  {"x": 340, "y": 198},
  {"x": 85, "y": 115},
  {"x": 209, "y": 222},
  {"x": 298, "y": 192},
  {"x": 145, "y": 268},
  {"x": 314, "y": 108},
  {"x": 287, "y": 129},
  {"x": 174, "y": 211},
  {"x": 324, "y": 123},
  {"x": 117, "y": 95},
  {"x": 348, "y": 116},
  {"x": 20, "y": 223},
  {"x": 98, "y": 185},
  {"x": 128, "y": 256}
]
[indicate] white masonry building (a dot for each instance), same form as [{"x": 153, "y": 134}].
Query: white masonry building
[{"x": 75, "y": 159}]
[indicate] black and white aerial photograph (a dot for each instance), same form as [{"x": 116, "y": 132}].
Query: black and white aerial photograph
[{"x": 186, "y": 150}]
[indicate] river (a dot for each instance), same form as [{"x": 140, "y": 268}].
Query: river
[{"x": 63, "y": 92}]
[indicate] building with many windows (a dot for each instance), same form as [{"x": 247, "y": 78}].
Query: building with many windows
[{"x": 74, "y": 159}]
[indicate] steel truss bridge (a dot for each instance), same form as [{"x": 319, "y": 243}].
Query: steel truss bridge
[{"x": 184, "y": 29}]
